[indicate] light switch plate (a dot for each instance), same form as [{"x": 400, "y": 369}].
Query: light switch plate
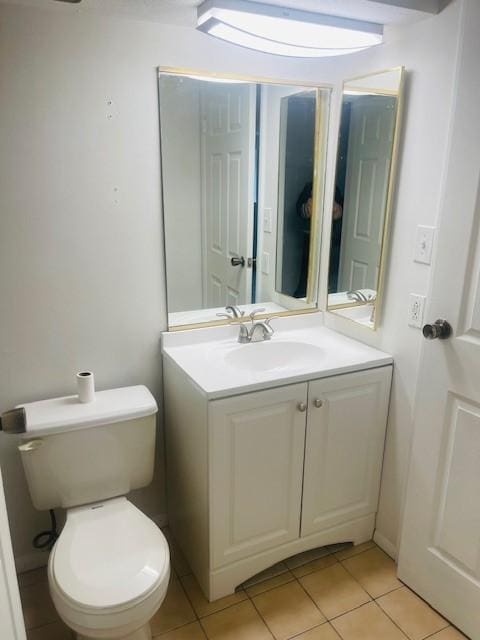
[
  {"x": 267, "y": 220},
  {"x": 424, "y": 244},
  {"x": 265, "y": 263},
  {"x": 416, "y": 308}
]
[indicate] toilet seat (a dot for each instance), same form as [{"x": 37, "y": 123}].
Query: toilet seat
[{"x": 109, "y": 558}]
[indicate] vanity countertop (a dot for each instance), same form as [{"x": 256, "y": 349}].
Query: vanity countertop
[{"x": 301, "y": 349}]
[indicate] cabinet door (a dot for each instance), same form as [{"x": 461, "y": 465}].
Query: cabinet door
[
  {"x": 257, "y": 443},
  {"x": 344, "y": 447}
]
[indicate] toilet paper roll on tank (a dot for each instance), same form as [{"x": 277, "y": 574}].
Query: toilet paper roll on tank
[{"x": 86, "y": 386}]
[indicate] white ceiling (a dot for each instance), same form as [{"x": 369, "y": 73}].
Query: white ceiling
[{"x": 389, "y": 12}]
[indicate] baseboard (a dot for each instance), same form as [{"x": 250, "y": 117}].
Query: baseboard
[{"x": 384, "y": 544}]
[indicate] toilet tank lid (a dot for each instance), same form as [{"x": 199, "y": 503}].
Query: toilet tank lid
[{"x": 58, "y": 415}]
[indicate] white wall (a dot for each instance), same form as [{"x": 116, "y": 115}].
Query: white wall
[
  {"x": 182, "y": 193},
  {"x": 428, "y": 50},
  {"x": 81, "y": 246},
  {"x": 81, "y": 258}
]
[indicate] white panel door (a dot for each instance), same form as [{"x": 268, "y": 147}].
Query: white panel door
[
  {"x": 256, "y": 466},
  {"x": 228, "y": 180},
  {"x": 344, "y": 447},
  {"x": 440, "y": 545},
  {"x": 369, "y": 156},
  {"x": 11, "y": 618}
]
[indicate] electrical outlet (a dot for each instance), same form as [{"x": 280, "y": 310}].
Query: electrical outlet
[
  {"x": 416, "y": 308},
  {"x": 265, "y": 263},
  {"x": 267, "y": 220},
  {"x": 424, "y": 244}
]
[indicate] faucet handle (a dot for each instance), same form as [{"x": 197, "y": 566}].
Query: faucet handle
[
  {"x": 255, "y": 311},
  {"x": 268, "y": 320},
  {"x": 235, "y": 311},
  {"x": 225, "y": 315}
]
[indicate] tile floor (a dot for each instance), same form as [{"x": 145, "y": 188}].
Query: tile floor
[{"x": 334, "y": 593}]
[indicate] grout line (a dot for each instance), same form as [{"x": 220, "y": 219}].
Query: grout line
[
  {"x": 310, "y": 597},
  {"x": 392, "y": 621},
  {"x": 447, "y": 624},
  {"x": 262, "y": 618}
]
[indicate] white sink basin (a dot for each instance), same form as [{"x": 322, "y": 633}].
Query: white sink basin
[
  {"x": 274, "y": 356},
  {"x": 301, "y": 349}
]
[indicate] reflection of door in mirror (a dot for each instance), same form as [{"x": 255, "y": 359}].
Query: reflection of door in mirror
[
  {"x": 208, "y": 153},
  {"x": 369, "y": 132},
  {"x": 228, "y": 171},
  {"x": 363, "y": 188},
  {"x": 295, "y": 197}
]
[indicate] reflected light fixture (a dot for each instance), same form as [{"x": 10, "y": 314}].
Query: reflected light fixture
[{"x": 286, "y": 32}]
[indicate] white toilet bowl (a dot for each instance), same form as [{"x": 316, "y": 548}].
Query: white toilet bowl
[{"x": 109, "y": 570}]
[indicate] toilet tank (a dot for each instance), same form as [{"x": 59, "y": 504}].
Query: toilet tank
[{"x": 75, "y": 454}]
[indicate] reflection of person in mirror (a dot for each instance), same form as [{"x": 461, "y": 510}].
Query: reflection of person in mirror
[{"x": 304, "y": 210}]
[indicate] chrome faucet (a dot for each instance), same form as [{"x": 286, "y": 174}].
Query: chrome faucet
[
  {"x": 258, "y": 331},
  {"x": 232, "y": 312},
  {"x": 360, "y": 296}
]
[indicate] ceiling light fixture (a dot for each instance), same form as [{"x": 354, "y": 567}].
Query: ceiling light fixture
[{"x": 286, "y": 32}]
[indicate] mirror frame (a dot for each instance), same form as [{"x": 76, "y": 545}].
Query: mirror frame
[
  {"x": 324, "y": 93},
  {"x": 391, "y": 191}
]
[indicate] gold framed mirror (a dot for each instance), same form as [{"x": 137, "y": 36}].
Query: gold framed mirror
[
  {"x": 243, "y": 176},
  {"x": 367, "y": 150}
]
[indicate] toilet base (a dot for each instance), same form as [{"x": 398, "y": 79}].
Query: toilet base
[{"x": 145, "y": 633}]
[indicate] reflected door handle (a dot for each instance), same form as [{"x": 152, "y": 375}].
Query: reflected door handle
[
  {"x": 237, "y": 262},
  {"x": 440, "y": 329}
]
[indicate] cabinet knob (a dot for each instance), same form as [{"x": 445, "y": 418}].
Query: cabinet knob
[
  {"x": 318, "y": 403},
  {"x": 301, "y": 406}
]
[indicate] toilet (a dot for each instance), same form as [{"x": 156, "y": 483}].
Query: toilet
[{"x": 109, "y": 569}]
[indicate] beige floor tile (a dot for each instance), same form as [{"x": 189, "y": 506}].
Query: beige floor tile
[
  {"x": 334, "y": 590},
  {"x": 375, "y": 571},
  {"x": 37, "y": 605},
  {"x": 240, "y": 622},
  {"x": 323, "y": 632},
  {"x": 352, "y": 550},
  {"x": 32, "y": 577},
  {"x": 314, "y": 565},
  {"x": 53, "y": 631},
  {"x": 448, "y": 634},
  {"x": 306, "y": 556},
  {"x": 201, "y": 605},
  {"x": 411, "y": 614},
  {"x": 271, "y": 583},
  {"x": 271, "y": 572},
  {"x": 192, "y": 631},
  {"x": 288, "y": 610},
  {"x": 367, "y": 623},
  {"x": 175, "y": 611}
]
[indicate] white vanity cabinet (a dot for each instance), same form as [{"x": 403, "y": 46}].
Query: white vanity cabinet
[
  {"x": 257, "y": 477},
  {"x": 257, "y": 446},
  {"x": 346, "y": 421}
]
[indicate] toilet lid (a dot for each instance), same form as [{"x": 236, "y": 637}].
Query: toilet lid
[{"x": 108, "y": 555}]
